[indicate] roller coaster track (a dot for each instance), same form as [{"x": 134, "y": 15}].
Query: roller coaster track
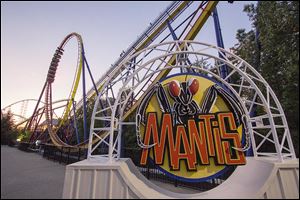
[
  {"x": 191, "y": 26},
  {"x": 205, "y": 9},
  {"x": 48, "y": 85},
  {"x": 37, "y": 115},
  {"x": 156, "y": 28},
  {"x": 52, "y": 130},
  {"x": 21, "y": 114},
  {"x": 21, "y": 101}
]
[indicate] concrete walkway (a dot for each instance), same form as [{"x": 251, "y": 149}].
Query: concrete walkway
[{"x": 29, "y": 176}]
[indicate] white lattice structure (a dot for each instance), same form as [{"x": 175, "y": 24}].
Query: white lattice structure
[{"x": 126, "y": 85}]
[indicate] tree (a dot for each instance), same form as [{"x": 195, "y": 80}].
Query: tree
[
  {"x": 272, "y": 47},
  {"x": 8, "y": 132}
]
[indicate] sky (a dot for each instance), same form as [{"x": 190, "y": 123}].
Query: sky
[{"x": 31, "y": 31}]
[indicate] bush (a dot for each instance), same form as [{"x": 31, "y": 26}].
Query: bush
[{"x": 24, "y": 136}]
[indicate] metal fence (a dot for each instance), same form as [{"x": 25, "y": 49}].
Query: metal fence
[
  {"x": 151, "y": 171},
  {"x": 65, "y": 155}
]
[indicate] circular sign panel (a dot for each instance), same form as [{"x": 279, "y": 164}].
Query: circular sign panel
[{"x": 191, "y": 127}]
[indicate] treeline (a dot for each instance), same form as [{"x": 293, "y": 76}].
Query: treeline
[{"x": 272, "y": 47}]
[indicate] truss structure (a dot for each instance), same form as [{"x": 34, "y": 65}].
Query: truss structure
[{"x": 131, "y": 79}]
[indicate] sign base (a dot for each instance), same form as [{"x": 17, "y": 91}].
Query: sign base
[{"x": 260, "y": 178}]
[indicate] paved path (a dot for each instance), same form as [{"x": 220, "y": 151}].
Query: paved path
[{"x": 29, "y": 176}]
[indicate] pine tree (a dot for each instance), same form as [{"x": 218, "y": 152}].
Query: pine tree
[{"x": 8, "y": 132}]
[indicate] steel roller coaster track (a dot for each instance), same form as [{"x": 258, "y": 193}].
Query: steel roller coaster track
[{"x": 187, "y": 17}]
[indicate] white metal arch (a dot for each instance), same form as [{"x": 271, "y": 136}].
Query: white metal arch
[{"x": 268, "y": 129}]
